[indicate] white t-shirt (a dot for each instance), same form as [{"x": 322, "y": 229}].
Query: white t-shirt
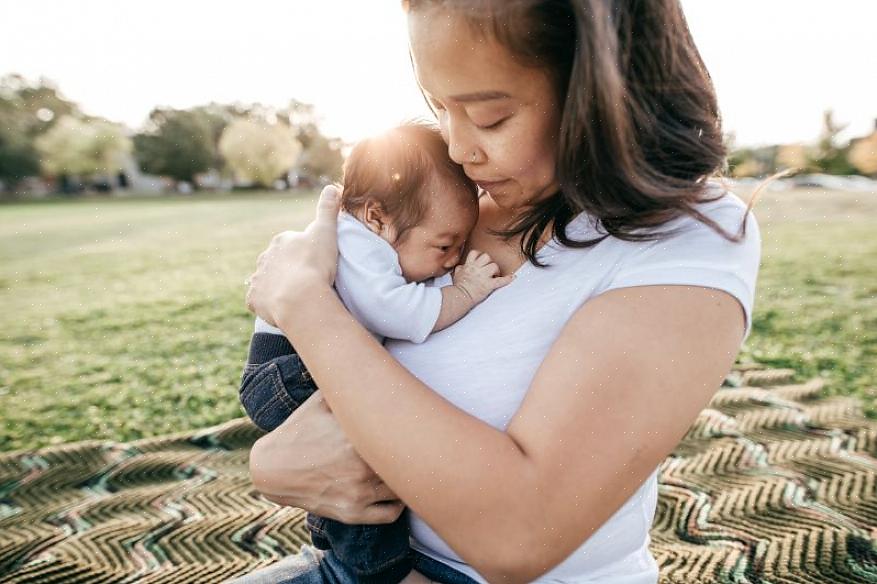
[
  {"x": 485, "y": 362},
  {"x": 370, "y": 283}
]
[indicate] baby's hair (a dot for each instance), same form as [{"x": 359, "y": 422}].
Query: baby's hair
[{"x": 394, "y": 170}]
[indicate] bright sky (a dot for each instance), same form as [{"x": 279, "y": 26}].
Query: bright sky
[{"x": 777, "y": 64}]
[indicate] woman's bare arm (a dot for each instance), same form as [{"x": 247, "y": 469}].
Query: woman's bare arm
[{"x": 617, "y": 391}]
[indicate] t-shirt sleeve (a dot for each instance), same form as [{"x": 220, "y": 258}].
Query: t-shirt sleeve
[
  {"x": 370, "y": 283},
  {"x": 699, "y": 256}
]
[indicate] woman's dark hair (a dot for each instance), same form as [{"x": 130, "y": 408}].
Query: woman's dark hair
[
  {"x": 640, "y": 131},
  {"x": 394, "y": 169}
]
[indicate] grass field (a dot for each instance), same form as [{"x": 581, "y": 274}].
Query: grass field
[{"x": 124, "y": 318}]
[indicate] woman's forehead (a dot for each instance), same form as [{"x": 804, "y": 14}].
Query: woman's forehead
[{"x": 451, "y": 59}]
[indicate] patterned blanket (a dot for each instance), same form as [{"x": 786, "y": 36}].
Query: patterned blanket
[{"x": 773, "y": 483}]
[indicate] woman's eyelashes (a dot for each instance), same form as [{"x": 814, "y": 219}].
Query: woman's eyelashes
[
  {"x": 439, "y": 108},
  {"x": 494, "y": 125}
]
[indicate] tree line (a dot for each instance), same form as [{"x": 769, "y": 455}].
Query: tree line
[
  {"x": 44, "y": 134},
  {"x": 828, "y": 155}
]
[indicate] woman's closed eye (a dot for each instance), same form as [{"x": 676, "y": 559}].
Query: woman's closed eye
[
  {"x": 439, "y": 108},
  {"x": 494, "y": 125}
]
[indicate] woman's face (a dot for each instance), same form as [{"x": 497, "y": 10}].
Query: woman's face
[{"x": 499, "y": 117}]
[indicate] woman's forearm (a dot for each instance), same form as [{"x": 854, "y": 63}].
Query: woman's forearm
[{"x": 464, "y": 477}]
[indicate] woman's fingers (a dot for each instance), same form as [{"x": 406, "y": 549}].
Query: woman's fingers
[
  {"x": 294, "y": 260},
  {"x": 249, "y": 301},
  {"x": 383, "y": 512},
  {"x": 325, "y": 225},
  {"x": 328, "y": 204},
  {"x": 382, "y": 492},
  {"x": 375, "y": 514}
]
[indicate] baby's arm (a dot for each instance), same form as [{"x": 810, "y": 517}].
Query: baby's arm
[{"x": 473, "y": 282}]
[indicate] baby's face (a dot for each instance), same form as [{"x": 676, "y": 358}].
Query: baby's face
[{"x": 433, "y": 247}]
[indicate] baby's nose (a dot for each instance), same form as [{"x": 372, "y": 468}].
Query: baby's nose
[{"x": 452, "y": 261}]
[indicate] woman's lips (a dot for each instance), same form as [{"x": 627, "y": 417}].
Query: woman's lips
[{"x": 487, "y": 185}]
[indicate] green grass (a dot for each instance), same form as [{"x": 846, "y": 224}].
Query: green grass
[
  {"x": 125, "y": 318},
  {"x": 816, "y": 303}
]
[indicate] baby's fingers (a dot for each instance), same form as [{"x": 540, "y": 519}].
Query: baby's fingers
[
  {"x": 472, "y": 256},
  {"x": 483, "y": 259},
  {"x": 501, "y": 281},
  {"x": 492, "y": 269}
]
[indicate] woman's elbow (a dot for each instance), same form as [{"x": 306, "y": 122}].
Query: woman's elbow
[
  {"x": 519, "y": 570},
  {"x": 514, "y": 560}
]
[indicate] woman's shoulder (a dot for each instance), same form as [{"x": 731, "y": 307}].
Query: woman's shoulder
[
  {"x": 723, "y": 206},
  {"x": 694, "y": 253},
  {"x": 719, "y": 205},
  {"x": 734, "y": 231}
]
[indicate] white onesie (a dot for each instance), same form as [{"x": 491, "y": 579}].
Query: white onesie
[{"x": 371, "y": 286}]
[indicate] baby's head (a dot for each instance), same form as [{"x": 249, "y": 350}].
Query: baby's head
[{"x": 403, "y": 186}]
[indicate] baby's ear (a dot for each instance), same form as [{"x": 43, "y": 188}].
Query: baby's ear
[{"x": 374, "y": 216}]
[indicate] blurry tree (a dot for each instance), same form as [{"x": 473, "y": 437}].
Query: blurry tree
[
  {"x": 751, "y": 162},
  {"x": 322, "y": 158},
  {"x": 747, "y": 167},
  {"x": 179, "y": 143},
  {"x": 258, "y": 151},
  {"x": 42, "y": 102},
  {"x": 793, "y": 156},
  {"x": 18, "y": 157},
  {"x": 27, "y": 110},
  {"x": 321, "y": 155},
  {"x": 83, "y": 147},
  {"x": 829, "y": 157},
  {"x": 863, "y": 155}
]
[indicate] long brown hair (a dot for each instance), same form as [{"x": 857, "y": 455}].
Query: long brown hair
[{"x": 640, "y": 131}]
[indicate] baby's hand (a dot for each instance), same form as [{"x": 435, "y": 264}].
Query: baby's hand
[{"x": 478, "y": 276}]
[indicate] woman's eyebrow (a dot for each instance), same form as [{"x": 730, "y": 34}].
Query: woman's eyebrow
[{"x": 480, "y": 96}]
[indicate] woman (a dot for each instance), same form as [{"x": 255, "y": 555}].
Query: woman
[{"x": 525, "y": 438}]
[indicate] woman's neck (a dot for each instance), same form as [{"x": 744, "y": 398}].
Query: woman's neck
[{"x": 506, "y": 252}]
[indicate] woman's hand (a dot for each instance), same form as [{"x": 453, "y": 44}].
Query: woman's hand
[
  {"x": 297, "y": 263},
  {"x": 308, "y": 462}
]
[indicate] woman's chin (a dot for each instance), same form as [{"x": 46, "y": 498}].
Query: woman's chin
[{"x": 503, "y": 200}]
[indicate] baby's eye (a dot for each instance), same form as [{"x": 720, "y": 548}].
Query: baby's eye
[{"x": 444, "y": 248}]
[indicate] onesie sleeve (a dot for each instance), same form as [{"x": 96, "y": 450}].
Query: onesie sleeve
[
  {"x": 263, "y": 327},
  {"x": 697, "y": 255},
  {"x": 370, "y": 283}
]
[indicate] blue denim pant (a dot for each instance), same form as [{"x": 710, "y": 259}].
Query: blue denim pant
[
  {"x": 315, "y": 566},
  {"x": 275, "y": 382}
]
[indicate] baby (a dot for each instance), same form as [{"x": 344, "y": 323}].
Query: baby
[{"x": 407, "y": 211}]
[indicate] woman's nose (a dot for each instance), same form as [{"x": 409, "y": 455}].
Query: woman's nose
[{"x": 462, "y": 148}]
